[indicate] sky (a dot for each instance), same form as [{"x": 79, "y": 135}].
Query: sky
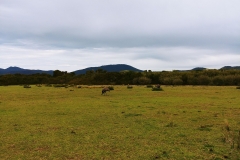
[{"x": 156, "y": 35}]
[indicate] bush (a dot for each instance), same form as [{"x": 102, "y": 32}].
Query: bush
[
  {"x": 149, "y": 86},
  {"x": 157, "y": 89},
  {"x": 61, "y": 85},
  {"x": 129, "y": 87},
  {"x": 111, "y": 88},
  {"x": 26, "y": 86}
]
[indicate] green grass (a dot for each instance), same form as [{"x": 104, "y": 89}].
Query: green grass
[{"x": 184, "y": 122}]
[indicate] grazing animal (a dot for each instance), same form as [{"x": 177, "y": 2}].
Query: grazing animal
[
  {"x": 104, "y": 90},
  {"x": 157, "y": 86}
]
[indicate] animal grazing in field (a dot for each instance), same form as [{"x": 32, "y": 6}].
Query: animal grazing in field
[
  {"x": 157, "y": 86},
  {"x": 104, "y": 90}
]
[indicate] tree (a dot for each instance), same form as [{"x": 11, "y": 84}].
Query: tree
[
  {"x": 204, "y": 80},
  {"x": 142, "y": 80},
  {"x": 167, "y": 81},
  {"x": 177, "y": 81},
  {"x": 185, "y": 79},
  {"x": 58, "y": 73},
  {"x": 218, "y": 80},
  {"x": 229, "y": 80}
]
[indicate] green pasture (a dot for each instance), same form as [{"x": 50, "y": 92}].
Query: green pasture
[{"x": 181, "y": 122}]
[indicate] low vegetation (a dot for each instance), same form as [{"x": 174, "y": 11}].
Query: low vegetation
[
  {"x": 181, "y": 122},
  {"x": 129, "y": 87},
  {"x": 26, "y": 86},
  {"x": 111, "y": 87},
  {"x": 149, "y": 86},
  {"x": 157, "y": 89}
]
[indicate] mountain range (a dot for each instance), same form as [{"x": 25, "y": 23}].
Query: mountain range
[{"x": 108, "y": 68}]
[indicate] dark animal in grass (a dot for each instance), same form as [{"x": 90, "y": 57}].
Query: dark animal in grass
[{"x": 104, "y": 90}]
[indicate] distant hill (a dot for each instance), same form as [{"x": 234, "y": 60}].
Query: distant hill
[
  {"x": 109, "y": 68},
  {"x": 225, "y": 67},
  {"x": 17, "y": 70},
  {"x": 230, "y": 67},
  {"x": 198, "y": 69}
]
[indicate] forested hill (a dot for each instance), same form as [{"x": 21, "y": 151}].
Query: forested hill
[
  {"x": 230, "y": 67},
  {"x": 105, "y": 68},
  {"x": 17, "y": 70},
  {"x": 109, "y": 68}
]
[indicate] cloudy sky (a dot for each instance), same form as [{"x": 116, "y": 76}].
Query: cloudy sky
[{"x": 148, "y": 34}]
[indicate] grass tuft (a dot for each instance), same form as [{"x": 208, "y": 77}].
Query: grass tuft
[
  {"x": 205, "y": 127},
  {"x": 171, "y": 124},
  {"x": 132, "y": 115}
]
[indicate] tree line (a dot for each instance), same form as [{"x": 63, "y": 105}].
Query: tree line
[{"x": 101, "y": 77}]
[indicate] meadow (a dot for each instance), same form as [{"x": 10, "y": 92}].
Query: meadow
[{"x": 181, "y": 122}]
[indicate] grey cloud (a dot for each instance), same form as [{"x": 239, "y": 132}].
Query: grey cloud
[
  {"x": 121, "y": 23},
  {"x": 154, "y": 30},
  {"x": 157, "y": 59}
]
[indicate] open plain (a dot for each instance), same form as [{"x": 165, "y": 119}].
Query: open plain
[{"x": 180, "y": 122}]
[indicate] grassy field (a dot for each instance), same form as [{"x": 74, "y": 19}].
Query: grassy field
[{"x": 183, "y": 122}]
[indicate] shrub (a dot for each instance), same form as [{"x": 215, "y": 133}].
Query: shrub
[
  {"x": 61, "y": 85},
  {"x": 26, "y": 86},
  {"x": 149, "y": 86},
  {"x": 157, "y": 89},
  {"x": 111, "y": 88},
  {"x": 129, "y": 87}
]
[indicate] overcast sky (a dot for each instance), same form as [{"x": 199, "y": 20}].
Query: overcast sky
[{"x": 147, "y": 34}]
